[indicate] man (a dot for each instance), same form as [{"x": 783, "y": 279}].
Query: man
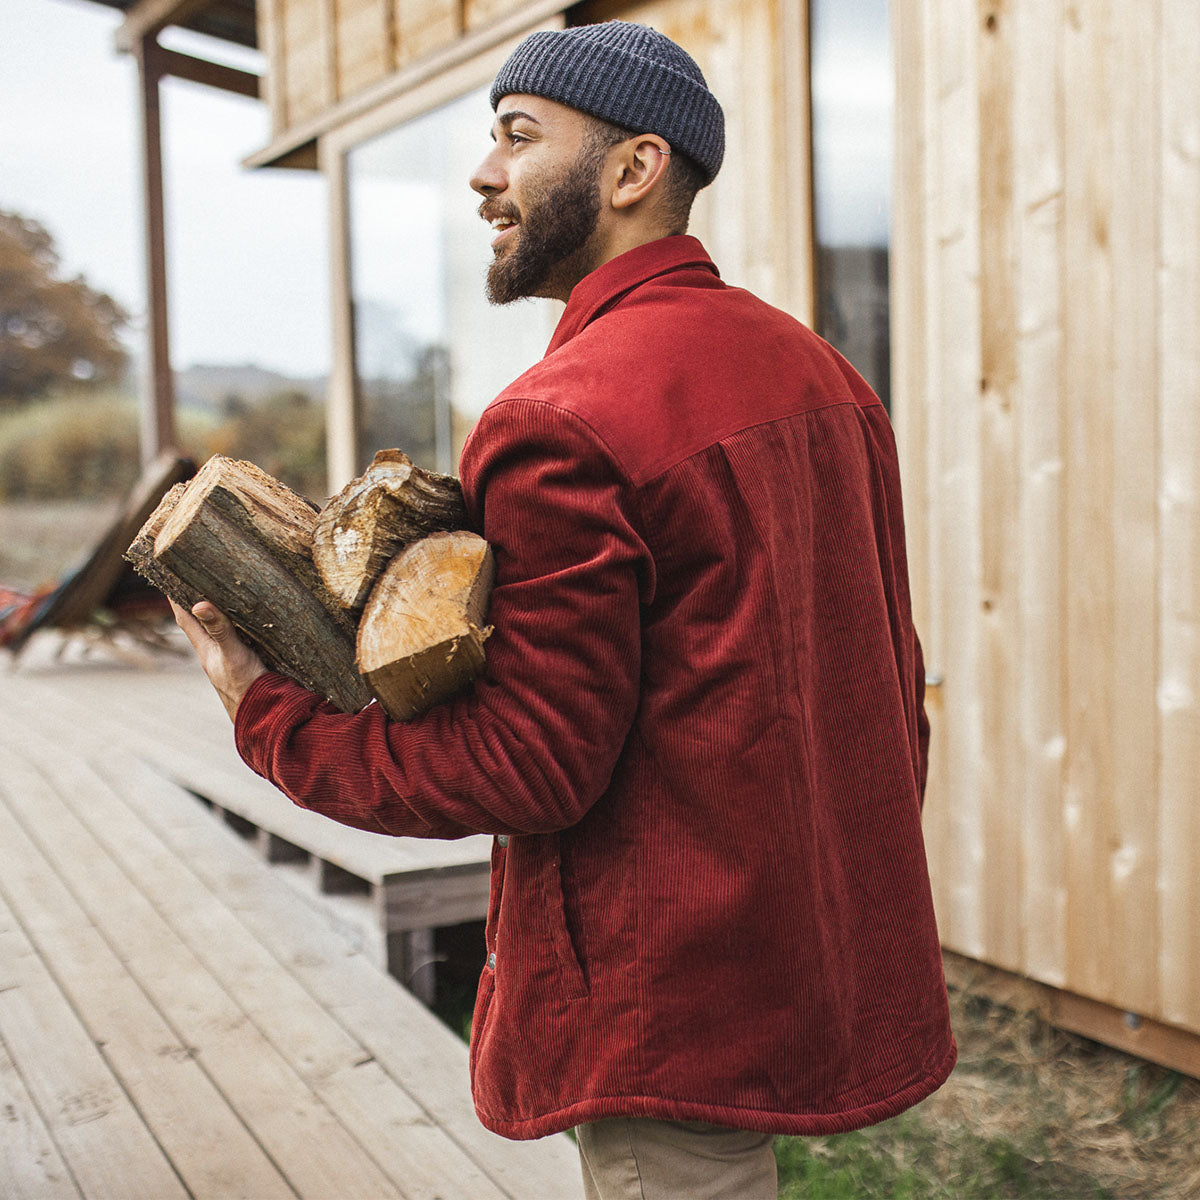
[{"x": 700, "y": 739}]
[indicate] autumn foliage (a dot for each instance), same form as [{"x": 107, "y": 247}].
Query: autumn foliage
[{"x": 53, "y": 330}]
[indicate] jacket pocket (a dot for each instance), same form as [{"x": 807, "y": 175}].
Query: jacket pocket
[{"x": 570, "y": 962}]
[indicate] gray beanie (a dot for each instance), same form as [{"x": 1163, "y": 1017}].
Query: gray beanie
[{"x": 628, "y": 74}]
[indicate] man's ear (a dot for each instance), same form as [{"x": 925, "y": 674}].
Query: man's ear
[{"x": 642, "y": 163}]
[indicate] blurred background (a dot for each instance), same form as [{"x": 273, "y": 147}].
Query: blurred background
[{"x": 252, "y": 357}]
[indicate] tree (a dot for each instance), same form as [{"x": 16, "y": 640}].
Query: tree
[{"x": 52, "y": 330}]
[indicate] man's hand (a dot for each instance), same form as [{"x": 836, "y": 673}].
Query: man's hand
[{"x": 229, "y": 663}]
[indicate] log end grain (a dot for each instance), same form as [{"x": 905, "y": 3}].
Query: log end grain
[
  {"x": 422, "y": 632},
  {"x": 243, "y": 540},
  {"x": 249, "y": 495}
]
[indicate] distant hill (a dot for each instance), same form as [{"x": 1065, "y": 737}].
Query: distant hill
[{"x": 208, "y": 387}]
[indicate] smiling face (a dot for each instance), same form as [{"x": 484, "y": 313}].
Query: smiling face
[{"x": 541, "y": 185}]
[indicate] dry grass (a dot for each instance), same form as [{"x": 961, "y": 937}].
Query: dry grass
[
  {"x": 42, "y": 539},
  {"x": 1030, "y": 1112}
]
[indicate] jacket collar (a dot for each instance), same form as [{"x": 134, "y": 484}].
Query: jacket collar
[{"x": 606, "y": 285}]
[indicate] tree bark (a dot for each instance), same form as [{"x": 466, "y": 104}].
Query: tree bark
[
  {"x": 374, "y": 516},
  {"x": 141, "y": 553},
  {"x": 420, "y": 639},
  {"x": 242, "y": 540}
]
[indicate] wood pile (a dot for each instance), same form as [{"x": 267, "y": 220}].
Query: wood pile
[{"x": 381, "y": 594}]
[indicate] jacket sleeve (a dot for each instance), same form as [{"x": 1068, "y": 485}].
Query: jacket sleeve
[{"x": 534, "y": 744}]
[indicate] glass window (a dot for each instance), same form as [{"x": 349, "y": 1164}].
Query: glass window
[
  {"x": 430, "y": 352},
  {"x": 852, "y": 89}
]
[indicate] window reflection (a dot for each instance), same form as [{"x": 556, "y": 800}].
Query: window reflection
[
  {"x": 852, "y": 87},
  {"x": 429, "y": 350}
]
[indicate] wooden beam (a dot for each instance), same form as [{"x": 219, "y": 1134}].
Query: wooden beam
[
  {"x": 211, "y": 74},
  {"x": 146, "y": 17},
  {"x": 158, "y": 434},
  {"x": 343, "y": 412},
  {"x": 1168, "y": 1045}
]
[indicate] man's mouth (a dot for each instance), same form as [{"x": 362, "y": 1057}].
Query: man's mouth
[{"x": 502, "y": 226}]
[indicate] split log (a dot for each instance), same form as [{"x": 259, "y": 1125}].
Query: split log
[
  {"x": 241, "y": 539},
  {"x": 420, "y": 639},
  {"x": 374, "y": 516},
  {"x": 141, "y": 553}
]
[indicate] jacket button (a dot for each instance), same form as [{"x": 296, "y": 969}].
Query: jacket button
[
  {"x": 502, "y": 839},
  {"x": 492, "y": 961}
]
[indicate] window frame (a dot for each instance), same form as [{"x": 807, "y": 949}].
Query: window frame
[{"x": 345, "y": 410}]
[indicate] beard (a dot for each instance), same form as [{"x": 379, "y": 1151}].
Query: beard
[{"x": 550, "y": 251}]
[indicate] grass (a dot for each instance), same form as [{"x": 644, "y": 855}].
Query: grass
[{"x": 1030, "y": 1113}]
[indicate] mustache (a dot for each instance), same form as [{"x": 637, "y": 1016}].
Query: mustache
[{"x": 491, "y": 210}]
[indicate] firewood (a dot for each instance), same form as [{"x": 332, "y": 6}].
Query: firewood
[
  {"x": 141, "y": 553},
  {"x": 241, "y": 539},
  {"x": 420, "y": 639},
  {"x": 366, "y": 524}
]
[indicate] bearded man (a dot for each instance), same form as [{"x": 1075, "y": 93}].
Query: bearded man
[{"x": 700, "y": 741}]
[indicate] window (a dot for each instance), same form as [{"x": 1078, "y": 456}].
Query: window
[
  {"x": 852, "y": 87},
  {"x": 430, "y": 352}
]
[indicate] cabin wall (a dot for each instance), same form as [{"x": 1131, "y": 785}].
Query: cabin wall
[
  {"x": 1046, "y": 298},
  {"x": 755, "y": 219},
  {"x": 322, "y": 51},
  {"x": 1045, "y": 271}
]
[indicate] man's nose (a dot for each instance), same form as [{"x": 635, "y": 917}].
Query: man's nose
[{"x": 487, "y": 179}]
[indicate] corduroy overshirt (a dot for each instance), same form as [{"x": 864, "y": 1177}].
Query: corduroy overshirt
[{"x": 700, "y": 737}]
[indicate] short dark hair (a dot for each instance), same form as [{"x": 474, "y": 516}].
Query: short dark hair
[{"x": 684, "y": 176}]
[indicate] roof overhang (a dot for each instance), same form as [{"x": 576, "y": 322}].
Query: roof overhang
[{"x": 227, "y": 20}]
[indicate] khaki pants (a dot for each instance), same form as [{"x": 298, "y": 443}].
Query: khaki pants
[{"x": 634, "y": 1158}]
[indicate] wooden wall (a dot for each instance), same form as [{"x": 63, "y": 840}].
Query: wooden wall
[
  {"x": 1046, "y": 299},
  {"x": 755, "y": 219},
  {"x": 322, "y": 51}
]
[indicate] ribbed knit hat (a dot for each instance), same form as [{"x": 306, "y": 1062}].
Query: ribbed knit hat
[{"x": 628, "y": 74}]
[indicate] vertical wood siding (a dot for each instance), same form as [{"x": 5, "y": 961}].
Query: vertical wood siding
[
  {"x": 1047, "y": 305},
  {"x": 424, "y": 25},
  {"x": 1178, "y": 495},
  {"x": 756, "y": 217},
  {"x": 321, "y": 51},
  {"x": 1046, "y": 356}
]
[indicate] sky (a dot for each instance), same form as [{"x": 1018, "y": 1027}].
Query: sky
[{"x": 247, "y": 250}]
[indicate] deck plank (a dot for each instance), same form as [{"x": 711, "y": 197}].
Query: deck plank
[
  {"x": 417, "y": 1156},
  {"x": 203, "y": 1137},
  {"x": 179, "y": 898},
  {"x": 96, "y": 1129},
  {"x": 173, "y": 719},
  {"x": 312, "y": 1148},
  {"x": 413, "y": 1049},
  {"x": 30, "y": 1164}
]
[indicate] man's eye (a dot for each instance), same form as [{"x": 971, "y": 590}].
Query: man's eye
[{"x": 516, "y": 138}]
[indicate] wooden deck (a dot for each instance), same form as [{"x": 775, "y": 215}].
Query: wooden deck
[
  {"x": 396, "y": 890},
  {"x": 176, "y": 1019}
]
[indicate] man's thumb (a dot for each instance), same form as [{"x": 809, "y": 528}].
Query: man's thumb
[{"x": 216, "y": 625}]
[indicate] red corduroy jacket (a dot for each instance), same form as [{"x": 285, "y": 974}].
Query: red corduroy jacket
[{"x": 700, "y": 737}]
